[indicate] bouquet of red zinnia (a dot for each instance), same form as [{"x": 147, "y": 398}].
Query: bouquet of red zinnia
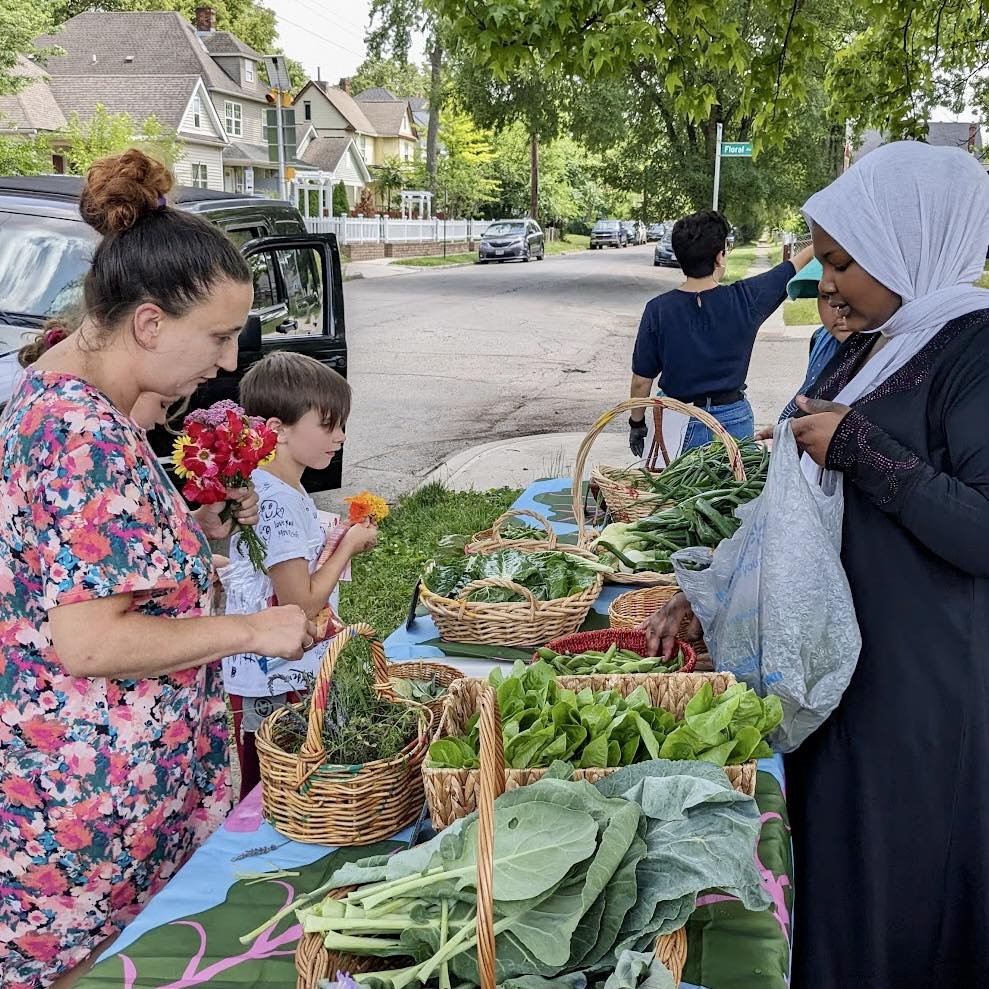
[{"x": 219, "y": 449}]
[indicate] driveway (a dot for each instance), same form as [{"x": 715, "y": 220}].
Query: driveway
[{"x": 443, "y": 359}]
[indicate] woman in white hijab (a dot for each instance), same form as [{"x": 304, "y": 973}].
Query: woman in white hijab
[{"x": 889, "y": 799}]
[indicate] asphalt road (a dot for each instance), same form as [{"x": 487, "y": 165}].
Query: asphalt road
[{"x": 448, "y": 358}]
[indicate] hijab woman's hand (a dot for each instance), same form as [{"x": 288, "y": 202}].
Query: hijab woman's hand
[{"x": 815, "y": 430}]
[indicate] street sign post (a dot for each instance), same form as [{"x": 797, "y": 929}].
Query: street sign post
[
  {"x": 727, "y": 149},
  {"x": 280, "y": 82}
]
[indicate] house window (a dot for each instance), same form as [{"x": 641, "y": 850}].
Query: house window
[
  {"x": 197, "y": 111},
  {"x": 200, "y": 178},
  {"x": 307, "y": 110},
  {"x": 363, "y": 146},
  {"x": 233, "y": 117},
  {"x": 248, "y": 70}
]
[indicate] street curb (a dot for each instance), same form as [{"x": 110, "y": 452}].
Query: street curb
[{"x": 469, "y": 264}]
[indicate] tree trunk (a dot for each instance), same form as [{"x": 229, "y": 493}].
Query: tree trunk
[
  {"x": 534, "y": 179},
  {"x": 435, "y": 98}
]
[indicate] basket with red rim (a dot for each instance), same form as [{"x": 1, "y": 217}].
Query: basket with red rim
[{"x": 600, "y": 639}]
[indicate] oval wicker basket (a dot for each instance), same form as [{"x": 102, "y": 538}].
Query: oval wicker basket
[
  {"x": 631, "y": 609},
  {"x": 313, "y": 962},
  {"x": 625, "y": 638},
  {"x": 425, "y": 670},
  {"x": 627, "y": 503},
  {"x": 307, "y": 800},
  {"x": 492, "y": 539},
  {"x": 452, "y": 793},
  {"x": 625, "y": 500}
]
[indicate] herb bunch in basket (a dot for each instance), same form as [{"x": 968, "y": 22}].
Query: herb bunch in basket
[{"x": 358, "y": 726}]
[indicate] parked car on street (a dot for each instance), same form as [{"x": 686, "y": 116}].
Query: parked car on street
[
  {"x": 655, "y": 231},
  {"x": 45, "y": 252},
  {"x": 663, "y": 256},
  {"x": 507, "y": 240},
  {"x": 608, "y": 233}
]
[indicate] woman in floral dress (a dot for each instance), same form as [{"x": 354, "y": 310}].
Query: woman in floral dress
[{"x": 113, "y": 745}]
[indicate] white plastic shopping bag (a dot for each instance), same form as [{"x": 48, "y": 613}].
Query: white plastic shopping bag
[{"x": 774, "y": 601}]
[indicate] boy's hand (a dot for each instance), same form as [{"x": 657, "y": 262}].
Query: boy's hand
[
  {"x": 333, "y": 540},
  {"x": 360, "y": 538}
]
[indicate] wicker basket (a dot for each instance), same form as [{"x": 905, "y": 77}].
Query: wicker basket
[
  {"x": 425, "y": 670},
  {"x": 313, "y": 962},
  {"x": 492, "y": 539},
  {"x": 625, "y": 638},
  {"x": 452, "y": 793},
  {"x": 307, "y": 800},
  {"x": 627, "y": 503},
  {"x": 631, "y": 609}
]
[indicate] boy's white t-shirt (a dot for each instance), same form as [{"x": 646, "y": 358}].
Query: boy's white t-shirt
[{"x": 291, "y": 529}]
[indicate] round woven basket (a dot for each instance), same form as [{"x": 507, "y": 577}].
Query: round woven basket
[
  {"x": 625, "y": 638},
  {"x": 313, "y": 962},
  {"x": 631, "y": 609},
  {"x": 492, "y": 539},
  {"x": 625, "y": 502},
  {"x": 308, "y": 800},
  {"x": 527, "y": 622},
  {"x": 425, "y": 670}
]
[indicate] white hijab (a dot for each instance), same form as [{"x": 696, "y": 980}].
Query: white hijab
[{"x": 916, "y": 218}]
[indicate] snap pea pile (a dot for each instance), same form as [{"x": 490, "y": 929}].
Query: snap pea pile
[
  {"x": 701, "y": 520},
  {"x": 611, "y": 660},
  {"x": 706, "y": 468}
]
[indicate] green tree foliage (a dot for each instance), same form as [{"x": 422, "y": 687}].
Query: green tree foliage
[
  {"x": 402, "y": 79},
  {"x": 341, "y": 206},
  {"x": 25, "y": 156},
  {"x": 20, "y": 23},
  {"x": 110, "y": 133},
  {"x": 390, "y": 177},
  {"x": 886, "y": 62},
  {"x": 464, "y": 173}
]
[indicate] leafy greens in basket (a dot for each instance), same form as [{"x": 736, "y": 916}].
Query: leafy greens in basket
[
  {"x": 543, "y": 722},
  {"x": 585, "y": 879},
  {"x": 548, "y": 574}
]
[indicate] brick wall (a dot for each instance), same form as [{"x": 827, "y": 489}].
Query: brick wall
[
  {"x": 364, "y": 252},
  {"x": 426, "y": 249}
]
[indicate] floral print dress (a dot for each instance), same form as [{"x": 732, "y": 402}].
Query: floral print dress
[{"x": 106, "y": 785}]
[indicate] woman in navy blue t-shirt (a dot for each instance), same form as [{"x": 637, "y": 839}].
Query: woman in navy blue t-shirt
[{"x": 698, "y": 339}]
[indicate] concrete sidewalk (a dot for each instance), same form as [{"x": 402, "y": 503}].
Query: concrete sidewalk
[{"x": 520, "y": 461}]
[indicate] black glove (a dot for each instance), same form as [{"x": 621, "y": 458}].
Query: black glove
[{"x": 637, "y": 436}]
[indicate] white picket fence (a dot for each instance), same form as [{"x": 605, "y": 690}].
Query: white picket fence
[{"x": 385, "y": 230}]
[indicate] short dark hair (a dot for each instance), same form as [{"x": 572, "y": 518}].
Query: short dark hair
[
  {"x": 150, "y": 252},
  {"x": 286, "y": 385},
  {"x": 698, "y": 239}
]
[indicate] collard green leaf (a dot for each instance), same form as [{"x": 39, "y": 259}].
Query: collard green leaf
[{"x": 637, "y": 970}]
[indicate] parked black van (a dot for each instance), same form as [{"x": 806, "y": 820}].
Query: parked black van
[{"x": 46, "y": 249}]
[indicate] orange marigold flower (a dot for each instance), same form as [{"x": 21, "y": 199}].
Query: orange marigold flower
[{"x": 366, "y": 506}]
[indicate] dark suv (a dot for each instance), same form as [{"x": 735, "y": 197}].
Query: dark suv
[
  {"x": 608, "y": 233},
  {"x": 45, "y": 251}
]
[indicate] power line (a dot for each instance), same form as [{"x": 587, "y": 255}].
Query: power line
[
  {"x": 316, "y": 34},
  {"x": 346, "y": 26}
]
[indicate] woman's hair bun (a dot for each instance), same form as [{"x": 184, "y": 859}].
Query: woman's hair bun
[{"x": 121, "y": 189}]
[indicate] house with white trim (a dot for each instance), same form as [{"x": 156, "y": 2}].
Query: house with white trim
[{"x": 204, "y": 84}]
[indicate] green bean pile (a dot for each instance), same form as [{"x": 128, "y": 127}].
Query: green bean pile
[{"x": 611, "y": 660}]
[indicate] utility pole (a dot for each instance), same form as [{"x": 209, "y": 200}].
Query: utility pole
[
  {"x": 717, "y": 165},
  {"x": 281, "y": 83}
]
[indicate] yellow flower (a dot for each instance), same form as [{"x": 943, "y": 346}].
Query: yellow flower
[
  {"x": 179, "y": 452},
  {"x": 366, "y": 506}
]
